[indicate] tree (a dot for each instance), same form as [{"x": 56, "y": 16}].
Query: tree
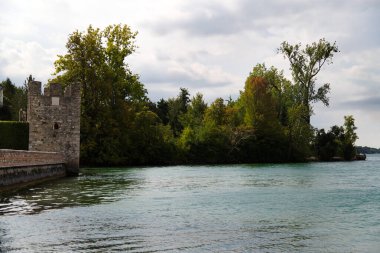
[
  {"x": 163, "y": 110},
  {"x": 267, "y": 144},
  {"x": 195, "y": 113},
  {"x": 299, "y": 133},
  {"x": 215, "y": 114},
  {"x": 184, "y": 99},
  {"x": 9, "y": 90},
  {"x": 111, "y": 94},
  {"x": 350, "y": 137},
  {"x": 279, "y": 86},
  {"x": 260, "y": 106},
  {"x": 305, "y": 64},
  {"x": 326, "y": 144},
  {"x": 14, "y": 99},
  {"x": 338, "y": 141},
  {"x": 349, "y": 129},
  {"x": 176, "y": 108}
]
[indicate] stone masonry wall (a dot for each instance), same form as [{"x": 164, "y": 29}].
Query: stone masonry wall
[
  {"x": 19, "y": 167},
  {"x": 10, "y": 158},
  {"x": 18, "y": 175},
  {"x": 54, "y": 121}
]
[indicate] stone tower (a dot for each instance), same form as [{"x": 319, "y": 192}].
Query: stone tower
[{"x": 54, "y": 121}]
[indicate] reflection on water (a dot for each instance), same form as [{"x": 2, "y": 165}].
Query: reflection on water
[
  {"x": 88, "y": 189},
  {"x": 319, "y": 207}
]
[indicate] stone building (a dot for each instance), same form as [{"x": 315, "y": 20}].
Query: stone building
[{"x": 54, "y": 121}]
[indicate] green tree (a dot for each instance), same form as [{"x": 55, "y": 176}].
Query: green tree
[
  {"x": 331, "y": 144},
  {"x": 176, "y": 108},
  {"x": 268, "y": 142},
  {"x": 350, "y": 137},
  {"x": 195, "y": 113},
  {"x": 9, "y": 90},
  {"x": 152, "y": 142},
  {"x": 299, "y": 134},
  {"x": 279, "y": 86},
  {"x": 14, "y": 99},
  {"x": 111, "y": 94},
  {"x": 163, "y": 111},
  {"x": 216, "y": 113},
  {"x": 259, "y": 106},
  {"x": 326, "y": 144},
  {"x": 305, "y": 64},
  {"x": 349, "y": 129}
]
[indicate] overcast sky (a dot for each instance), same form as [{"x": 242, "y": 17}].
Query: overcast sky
[{"x": 211, "y": 46}]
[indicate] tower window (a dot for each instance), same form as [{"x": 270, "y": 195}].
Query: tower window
[{"x": 56, "y": 126}]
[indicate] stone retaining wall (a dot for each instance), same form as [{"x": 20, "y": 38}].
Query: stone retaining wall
[
  {"x": 19, "y": 167},
  {"x": 9, "y": 158},
  {"x": 18, "y": 175}
]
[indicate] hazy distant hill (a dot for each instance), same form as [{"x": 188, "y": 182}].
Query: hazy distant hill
[{"x": 367, "y": 150}]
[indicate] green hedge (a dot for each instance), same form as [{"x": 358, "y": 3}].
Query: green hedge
[{"x": 14, "y": 135}]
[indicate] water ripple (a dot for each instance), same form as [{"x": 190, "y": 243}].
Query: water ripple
[{"x": 318, "y": 207}]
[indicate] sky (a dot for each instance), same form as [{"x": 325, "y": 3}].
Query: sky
[{"x": 211, "y": 46}]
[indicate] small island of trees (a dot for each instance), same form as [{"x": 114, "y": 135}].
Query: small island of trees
[{"x": 268, "y": 122}]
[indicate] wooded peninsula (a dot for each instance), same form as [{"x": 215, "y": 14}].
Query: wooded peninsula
[{"x": 120, "y": 125}]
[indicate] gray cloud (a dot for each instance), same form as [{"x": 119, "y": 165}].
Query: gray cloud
[
  {"x": 185, "y": 78},
  {"x": 210, "y": 19},
  {"x": 367, "y": 105},
  {"x": 354, "y": 24}
]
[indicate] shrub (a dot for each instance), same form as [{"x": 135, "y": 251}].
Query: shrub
[{"x": 14, "y": 135}]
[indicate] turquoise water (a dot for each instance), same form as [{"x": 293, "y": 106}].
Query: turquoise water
[{"x": 315, "y": 207}]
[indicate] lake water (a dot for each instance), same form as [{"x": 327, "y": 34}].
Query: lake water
[{"x": 314, "y": 207}]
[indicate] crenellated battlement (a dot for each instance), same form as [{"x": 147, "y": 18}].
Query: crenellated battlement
[
  {"x": 54, "y": 93},
  {"x": 54, "y": 120}
]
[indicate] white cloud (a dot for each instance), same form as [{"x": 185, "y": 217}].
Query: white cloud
[{"x": 19, "y": 59}]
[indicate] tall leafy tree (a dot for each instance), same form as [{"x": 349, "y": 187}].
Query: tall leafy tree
[
  {"x": 177, "y": 107},
  {"x": 163, "y": 110},
  {"x": 195, "y": 112},
  {"x": 279, "y": 86},
  {"x": 259, "y": 105},
  {"x": 350, "y": 137},
  {"x": 111, "y": 94},
  {"x": 299, "y": 133},
  {"x": 284, "y": 99},
  {"x": 305, "y": 64},
  {"x": 260, "y": 114},
  {"x": 216, "y": 113}
]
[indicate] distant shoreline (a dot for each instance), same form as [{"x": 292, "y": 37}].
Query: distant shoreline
[{"x": 367, "y": 150}]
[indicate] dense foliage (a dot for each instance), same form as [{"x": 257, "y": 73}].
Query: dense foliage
[
  {"x": 117, "y": 126},
  {"x": 268, "y": 122},
  {"x": 337, "y": 142},
  {"x": 14, "y": 135},
  {"x": 14, "y": 99}
]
